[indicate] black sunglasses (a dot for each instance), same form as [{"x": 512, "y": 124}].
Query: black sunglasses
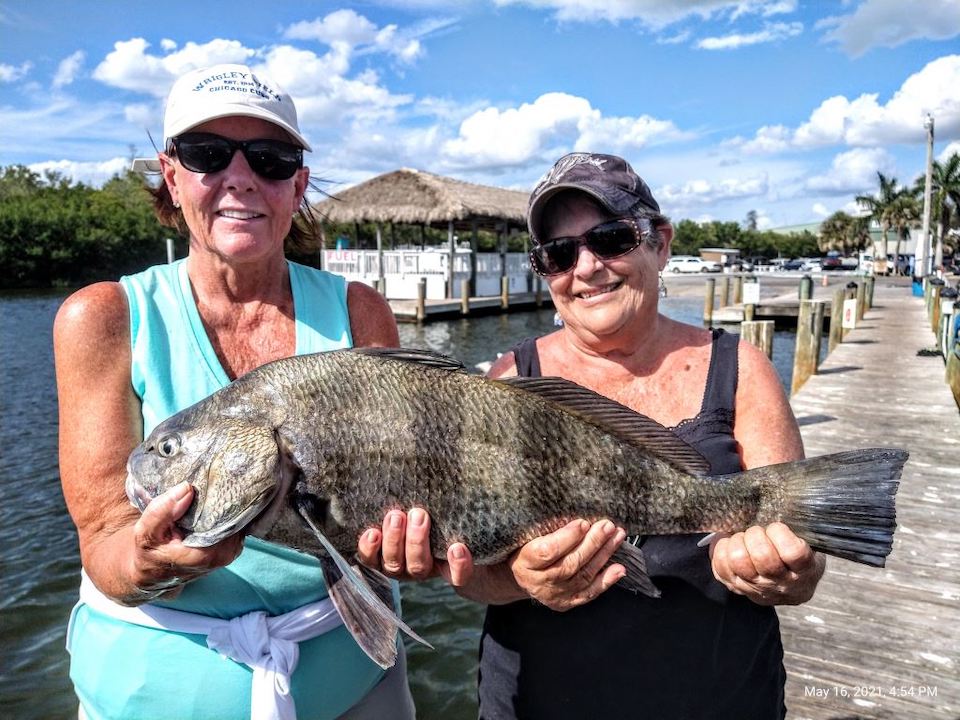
[
  {"x": 607, "y": 240},
  {"x": 208, "y": 153}
]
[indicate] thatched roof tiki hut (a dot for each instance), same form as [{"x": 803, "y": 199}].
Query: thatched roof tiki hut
[{"x": 415, "y": 197}]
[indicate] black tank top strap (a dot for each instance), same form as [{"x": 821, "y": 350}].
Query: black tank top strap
[
  {"x": 527, "y": 358},
  {"x": 722, "y": 375}
]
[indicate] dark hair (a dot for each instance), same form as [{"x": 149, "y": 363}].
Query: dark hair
[{"x": 305, "y": 232}]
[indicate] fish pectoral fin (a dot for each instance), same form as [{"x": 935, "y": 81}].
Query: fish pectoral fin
[
  {"x": 383, "y": 589},
  {"x": 368, "y": 614},
  {"x": 636, "y": 580}
]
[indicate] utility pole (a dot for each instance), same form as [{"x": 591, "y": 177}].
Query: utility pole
[{"x": 922, "y": 258}]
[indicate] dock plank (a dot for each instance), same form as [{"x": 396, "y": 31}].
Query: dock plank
[{"x": 885, "y": 643}]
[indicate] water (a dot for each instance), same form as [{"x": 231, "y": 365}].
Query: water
[{"x": 39, "y": 561}]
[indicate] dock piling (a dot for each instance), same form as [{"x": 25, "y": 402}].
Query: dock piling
[
  {"x": 806, "y": 287},
  {"x": 421, "y": 299},
  {"x": 759, "y": 333},
  {"x": 504, "y": 292},
  {"x": 465, "y": 296},
  {"x": 738, "y": 290},
  {"x": 711, "y": 286},
  {"x": 836, "y": 319},
  {"x": 809, "y": 330},
  {"x": 724, "y": 291}
]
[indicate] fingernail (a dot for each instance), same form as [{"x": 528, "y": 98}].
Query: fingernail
[
  {"x": 417, "y": 517},
  {"x": 396, "y": 520},
  {"x": 180, "y": 491},
  {"x": 458, "y": 552},
  {"x": 371, "y": 536},
  {"x": 607, "y": 527}
]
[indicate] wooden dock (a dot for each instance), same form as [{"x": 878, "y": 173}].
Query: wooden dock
[
  {"x": 406, "y": 310},
  {"x": 885, "y": 643}
]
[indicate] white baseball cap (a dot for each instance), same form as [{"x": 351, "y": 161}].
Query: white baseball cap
[{"x": 223, "y": 91}]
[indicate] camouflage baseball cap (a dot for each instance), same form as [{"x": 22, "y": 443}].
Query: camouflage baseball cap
[{"x": 608, "y": 178}]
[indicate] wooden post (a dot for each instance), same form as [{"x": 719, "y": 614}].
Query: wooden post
[
  {"x": 474, "y": 249},
  {"x": 861, "y": 300},
  {"x": 452, "y": 254},
  {"x": 759, "y": 333},
  {"x": 806, "y": 287},
  {"x": 738, "y": 290},
  {"x": 504, "y": 293},
  {"x": 421, "y": 299},
  {"x": 724, "y": 291},
  {"x": 171, "y": 254},
  {"x": 807, "y": 353},
  {"x": 749, "y": 311},
  {"x": 711, "y": 285},
  {"x": 849, "y": 293},
  {"x": 935, "y": 308},
  {"x": 380, "y": 278},
  {"x": 836, "y": 319},
  {"x": 538, "y": 291},
  {"x": 465, "y": 296},
  {"x": 871, "y": 281}
]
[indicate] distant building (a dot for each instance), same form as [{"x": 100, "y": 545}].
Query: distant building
[{"x": 724, "y": 256}]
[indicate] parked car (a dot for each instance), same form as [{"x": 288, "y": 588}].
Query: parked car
[
  {"x": 795, "y": 264},
  {"x": 832, "y": 261},
  {"x": 812, "y": 265},
  {"x": 758, "y": 262},
  {"x": 690, "y": 264}
]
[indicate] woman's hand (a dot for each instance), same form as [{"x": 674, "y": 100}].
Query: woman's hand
[
  {"x": 160, "y": 563},
  {"x": 568, "y": 567},
  {"x": 562, "y": 570},
  {"x": 770, "y": 566},
  {"x": 401, "y": 549}
]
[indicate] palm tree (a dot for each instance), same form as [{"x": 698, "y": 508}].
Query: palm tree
[
  {"x": 879, "y": 207},
  {"x": 945, "y": 198},
  {"x": 903, "y": 214},
  {"x": 843, "y": 232}
]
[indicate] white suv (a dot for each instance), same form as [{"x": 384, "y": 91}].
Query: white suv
[{"x": 690, "y": 264}]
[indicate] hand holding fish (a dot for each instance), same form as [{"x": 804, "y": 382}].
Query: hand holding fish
[
  {"x": 770, "y": 566},
  {"x": 561, "y": 570},
  {"x": 401, "y": 550},
  {"x": 161, "y": 563}
]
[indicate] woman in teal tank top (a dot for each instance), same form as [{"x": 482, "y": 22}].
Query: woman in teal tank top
[{"x": 132, "y": 353}]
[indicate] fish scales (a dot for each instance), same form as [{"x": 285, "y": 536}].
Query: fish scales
[
  {"x": 312, "y": 450},
  {"x": 400, "y": 442}
]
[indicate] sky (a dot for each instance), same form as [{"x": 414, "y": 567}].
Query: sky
[{"x": 786, "y": 108}]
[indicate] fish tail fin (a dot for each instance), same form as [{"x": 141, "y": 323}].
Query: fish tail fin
[{"x": 842, "y": 504}]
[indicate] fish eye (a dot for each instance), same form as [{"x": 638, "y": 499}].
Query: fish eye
[{"x": 169, "y": 446}]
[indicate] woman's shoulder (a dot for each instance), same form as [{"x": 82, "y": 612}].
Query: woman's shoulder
[
  {"x": 97, "y": 308},
  {"x": 371, "y": 319},
  {"x": 93, "y": 321}
]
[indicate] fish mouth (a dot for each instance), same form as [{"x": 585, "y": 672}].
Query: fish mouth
[
  {"x": 211, "y": 536},
  {"x": 136, "y": 493}
]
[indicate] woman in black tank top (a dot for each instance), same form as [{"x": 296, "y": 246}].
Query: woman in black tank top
[{"x": 557, "y": 643}]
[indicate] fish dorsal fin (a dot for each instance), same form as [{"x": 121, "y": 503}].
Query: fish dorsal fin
[
  {"x": 414, "y": 355},
  {"x": 619, "y": 420}
]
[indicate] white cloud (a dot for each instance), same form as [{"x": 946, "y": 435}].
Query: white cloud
[
  {"x": 550, "y": 124},
  {"x": 889, "y": 23},
  {"x": 130, "y": 67},
  {"x": 91, "y": 173},
  {"x": 820, "y": 209},
  {"x": 704, "y": 192},
  {"x": 12, "y": 73},
  {"x": 865, "y": 122},
  {"x": 951, "y": 149},
  {"x": 655, "y": 14},
  {"x": 347, "y": 32},
  {"x": 168, "y": 45},
  {"x": 852, "y": 172},
  {"x": 68, "y": 69},
  {"x": 770, "y": 33}
]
